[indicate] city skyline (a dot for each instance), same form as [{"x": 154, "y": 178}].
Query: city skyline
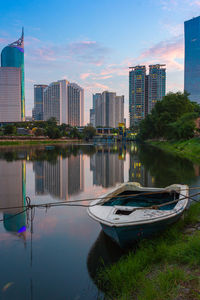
[{"x": 93, "y": 57}]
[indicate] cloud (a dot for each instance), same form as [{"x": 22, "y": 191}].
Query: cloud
[
  {"x": 88, "y": 51},
  {"x": 95, "y": 87},
  {"x": 169, "y": 52},
  {"x": 171, "y": 5},
  {"x": 84, "y": 52}
]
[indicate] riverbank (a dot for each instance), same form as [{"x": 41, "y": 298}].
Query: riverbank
[
  {"x": 166, "y": 267},
  {"x": 17, "y": 141},
  {"x": 189, "y": 149}
]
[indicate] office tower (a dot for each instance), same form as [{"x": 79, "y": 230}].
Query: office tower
[
  {"x": 65, "y": 102},
  {"x": 92, "y": 111},
  {"x": 75, "y": 105},
  {"x": 98, "y": 109},
  {"x": 137, "y": 76},
  {"x": 10, "y": 94},
  {"x": 156, "y": 84},
  {"x": 12, "y": 56},
  {"x": 109, "y": 109},
  {"x": 38, "y": 101},
  {"x": 192, "y": 59}
]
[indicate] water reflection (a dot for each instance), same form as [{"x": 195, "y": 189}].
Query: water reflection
[
  {"x": 13, "y": 194},
  {"x": 102, "y": 253},
  {"x": 65, "y": 238},
  {"x": 107, "y": 168},
  {"x": 61, "y": 178}
]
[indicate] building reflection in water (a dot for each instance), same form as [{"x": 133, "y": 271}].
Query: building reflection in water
[
  {"x": 107, "y": 167},
  {"x": 137, "y": 171},
  {"x": 13, "y": 194},
  {"x": 60, "y": 179}
]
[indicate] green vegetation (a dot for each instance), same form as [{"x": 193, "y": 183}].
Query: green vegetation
[
  {"x": 170, "y": 119},
  {"x": 189, "y": 149},
  {"x": 165, "y": 267},
  {"x": 48, "y": 129}
]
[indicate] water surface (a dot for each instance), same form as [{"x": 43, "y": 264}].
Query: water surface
[{"x": 56, "y": 256}]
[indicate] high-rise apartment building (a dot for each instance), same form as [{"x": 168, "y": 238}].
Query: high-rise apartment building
[
  {"x": 65, "y": 102},
  {"x": 75, "y": 105},
  {"x": 38, "y": 101},
  {"x": 137, "y": 76},
  {"x": 12, "y": 81},
  {"x": 145, "y": 90},
  {"x": 156, "y": 85},
  {"x": 192, "y": 59},
  {"x": 109, "y": 109}
]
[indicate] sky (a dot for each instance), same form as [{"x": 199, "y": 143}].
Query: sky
[{"x": 93, "y": 42}]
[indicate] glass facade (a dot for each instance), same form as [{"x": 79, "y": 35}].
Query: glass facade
[
  {"x": 38, "y": 101},
  {"x": 13, "y": 56},
  {"x": 192, "y": 59}
]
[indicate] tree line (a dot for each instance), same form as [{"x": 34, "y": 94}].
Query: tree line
[{"x": 172, "y": 118}]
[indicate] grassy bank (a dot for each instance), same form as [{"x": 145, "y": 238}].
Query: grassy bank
[
  {"x": 35, "y": 142},
  {"x": 166, "y": 267},
  {"x": 189, "y": 149}
]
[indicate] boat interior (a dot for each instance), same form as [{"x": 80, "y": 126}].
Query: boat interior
[{"x": 142, "y": 199}]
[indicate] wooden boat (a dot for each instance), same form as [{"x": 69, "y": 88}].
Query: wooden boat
[{"x": 130, "y": 211}]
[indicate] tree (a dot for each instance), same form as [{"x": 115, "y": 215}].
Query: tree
[
  {"x": 88, "y": 132},
  {"x": 10, "y": 129},
  {"x": 165, "y": 114},
  {"x": 53, "y": 132},
  {"x": 74, "y": 133}
]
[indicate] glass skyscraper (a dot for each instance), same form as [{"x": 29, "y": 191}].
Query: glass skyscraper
[
  {"x": 13, "y": 56},
  {"x": 38, "y": 101},
  {"x": 192, "y": 59}
]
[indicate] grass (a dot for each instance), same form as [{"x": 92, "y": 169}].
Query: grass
[
  {"x": 34, "y": 142},
  {"x": 189, "y": 149},
  {"x": 164, "y": 267}
]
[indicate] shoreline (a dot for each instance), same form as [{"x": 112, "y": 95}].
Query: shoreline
[
  {"x": 19, "y": 142},
  {"x": 189, "y": 149},
  {"x": 164, "y": 267}
]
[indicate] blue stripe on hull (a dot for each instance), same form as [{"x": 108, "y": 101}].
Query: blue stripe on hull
[{"x": 126, "y": 235}]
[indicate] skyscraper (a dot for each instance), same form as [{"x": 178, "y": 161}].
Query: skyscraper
[
  {"x": 109, "y": 109},
  {"x": 75, "y": 105},
  {"x": 38, "y": 101},
  {"x": 192, "y": 59},
  {"x": 137, "y": 76},
  {"x": 12, "y": 56},
  {"x": 156, "y": 84},
  {"x": 145, "y": 90},
  {"x": 10, "y": 94},
  {"x": 65, "y": 102}
]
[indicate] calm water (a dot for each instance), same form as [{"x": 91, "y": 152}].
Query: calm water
[{"x": 60, "y": 258}]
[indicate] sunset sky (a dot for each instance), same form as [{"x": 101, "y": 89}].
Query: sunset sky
[{"x": 93, "y": 43}]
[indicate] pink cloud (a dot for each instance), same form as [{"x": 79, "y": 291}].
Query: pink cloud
[
  {"x": 169, "y": 52},
  {"x": 85, "y": 75}
]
